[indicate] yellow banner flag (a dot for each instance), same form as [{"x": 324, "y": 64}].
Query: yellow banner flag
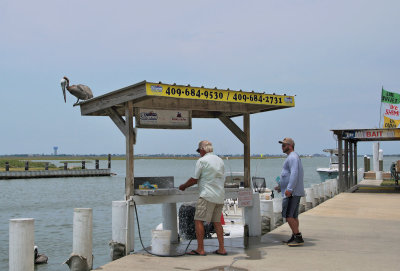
[{"x": 390, "y": 123}]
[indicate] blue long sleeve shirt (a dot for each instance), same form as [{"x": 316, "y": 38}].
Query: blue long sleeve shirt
[{"x": 292, "y": 175}]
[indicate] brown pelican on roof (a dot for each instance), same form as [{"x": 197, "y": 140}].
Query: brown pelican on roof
[{"x": 82, "y": 92}]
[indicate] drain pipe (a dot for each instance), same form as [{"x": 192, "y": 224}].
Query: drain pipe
[
  {"x": 127, "y": 236},
  {"x": 81, "y": 258}
]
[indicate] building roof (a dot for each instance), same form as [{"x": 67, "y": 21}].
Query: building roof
[
  {"x": 384, "y": 134},
  {"x": 202, "y": 102}
]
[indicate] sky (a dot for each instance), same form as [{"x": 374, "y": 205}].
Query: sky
[{"x": 333, "y": 56}]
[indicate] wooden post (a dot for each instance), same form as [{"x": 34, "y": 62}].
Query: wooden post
[
  {"x": 355, "y": 163},
  {"x": 109, "y": 160},
  {"x": 21, "y": 253},
  {"x": 46, "y": 166},
  {"x": 97, "y": 164},
  {"x": 26, "y": 165},
  {"x": 246, "y": 158},
  {"x": 340, "y": 154},
  {"x": 7, "y": 166},
  {"x": 83, "y": 164},
  {"x": 346, "y": 165},
  {"x": 129, "y": 139},
  {"x": 65, "y": 165},
  {"x": 82, "y": 241},
  {"x": 351, "y": 156}
]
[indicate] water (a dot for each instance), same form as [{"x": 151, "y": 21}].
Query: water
[{"x": 51, "y": 203}]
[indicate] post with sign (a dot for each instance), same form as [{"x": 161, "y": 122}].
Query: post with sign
[{"x": 252, "y": 214}]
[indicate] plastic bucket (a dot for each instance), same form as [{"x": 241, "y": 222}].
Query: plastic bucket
[
  {"x": 277, "y": 205},
  {"x": 160, "y": 242},
  {"x": 266, "y": 208}
]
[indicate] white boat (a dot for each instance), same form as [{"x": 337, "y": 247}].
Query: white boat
[{"x": 332, "y": 171}]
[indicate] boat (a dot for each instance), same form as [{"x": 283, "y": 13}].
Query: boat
[{"x": 332, "y": 171}]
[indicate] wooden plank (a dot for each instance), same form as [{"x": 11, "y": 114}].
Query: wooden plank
[
  {"x": 189, "y": 104},
  {"x": 233, "y": 128},
  {"x": 129, "y": 138},
  {"x": 118, "y": 97},
  {"x": 246, "y": 130}
]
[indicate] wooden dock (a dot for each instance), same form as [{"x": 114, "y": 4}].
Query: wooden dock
[
  {"x": 27, "y": 174},
  {"x": 352, "y": 231}
]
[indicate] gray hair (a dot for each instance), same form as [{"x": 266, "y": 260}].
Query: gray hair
[{"x": 206, "y": 146}]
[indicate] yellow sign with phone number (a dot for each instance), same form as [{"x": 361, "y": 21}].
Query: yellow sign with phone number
[{"x": 188, "y": 92}]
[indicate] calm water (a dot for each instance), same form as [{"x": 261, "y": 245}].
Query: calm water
[{"x": 51, "y": 203}]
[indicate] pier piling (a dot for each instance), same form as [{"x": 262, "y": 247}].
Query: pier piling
[
  {"x": 21, "y": 253},
  {"x": 121, "y": 238},
  {"x": 81, "y": 258}
]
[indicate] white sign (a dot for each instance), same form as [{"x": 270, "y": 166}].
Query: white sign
[
  {"x": 245, "y": 198},
  {"x": 164, "y": 119}
]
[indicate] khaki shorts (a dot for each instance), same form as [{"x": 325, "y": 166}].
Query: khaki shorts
[{"x": 208, "y": 211}]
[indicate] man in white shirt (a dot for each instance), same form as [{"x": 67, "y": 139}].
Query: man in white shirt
[{"x": 209, "y": 175}]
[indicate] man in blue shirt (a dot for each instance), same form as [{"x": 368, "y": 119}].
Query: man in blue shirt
[{"x": 292, "y": 189}]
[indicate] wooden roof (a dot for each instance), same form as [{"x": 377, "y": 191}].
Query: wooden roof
[{"x": 202, "y": 102}]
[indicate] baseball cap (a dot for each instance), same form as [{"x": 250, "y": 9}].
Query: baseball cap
[{"x": 287, "y": 140}]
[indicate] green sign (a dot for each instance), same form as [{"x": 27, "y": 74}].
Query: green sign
[{"x": 390, "y": 97}]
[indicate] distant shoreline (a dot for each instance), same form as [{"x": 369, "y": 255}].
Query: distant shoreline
[{"x": 78, "y": 158}]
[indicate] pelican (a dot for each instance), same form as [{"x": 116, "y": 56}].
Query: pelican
[
  {"x": 80, "y": 91},
  {"x": 39, "y": 258}
]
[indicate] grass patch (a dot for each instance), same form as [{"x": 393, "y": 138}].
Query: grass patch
[
  {"x": 17, "y": 163},
  {"x": 76, "y": 162},
  {"x": 388, "y": 183}
]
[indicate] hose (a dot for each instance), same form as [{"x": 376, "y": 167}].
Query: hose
[{"x": 140, "y": 238}]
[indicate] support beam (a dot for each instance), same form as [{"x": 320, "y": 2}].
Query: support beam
[
  {"x": 340, "y": 154},
  {"x": 120, "y": 123},
  {"x": 351, "y": 157},
  {"x": 246, "y": 158},
  {"x": 233, "y": 128},
  {"x": 129, "y": 138},
  {"x": 116, "y": 118},
  {"x": 346, "y": 165},
  {"x": 355, "y": 163}
]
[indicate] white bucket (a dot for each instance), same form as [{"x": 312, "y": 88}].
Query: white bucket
[
  {"x": 277, "y": 205},
  {"x": 266, "y": 208},
  {"x": 160, "y": 242}
]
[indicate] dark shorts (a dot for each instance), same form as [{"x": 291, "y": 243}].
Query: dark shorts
[{"x": 290, "y": 207}]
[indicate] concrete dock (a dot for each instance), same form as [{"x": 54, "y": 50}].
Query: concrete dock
[{"x": 352, "y": 231}]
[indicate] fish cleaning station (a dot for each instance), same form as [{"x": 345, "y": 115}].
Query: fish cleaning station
[{"x": 171, "y": 106}]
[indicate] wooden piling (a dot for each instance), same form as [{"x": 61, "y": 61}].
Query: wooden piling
[
  {"x": 7, "y": 166},
  {"x": 21, "y": 253},
  {"x": 83, "y": 164},
  {"x": 82, "y": 234},
  {"x": 97, "y": 164}
]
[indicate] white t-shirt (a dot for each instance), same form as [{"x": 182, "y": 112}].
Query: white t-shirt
[{"x": 210, "y": 170}]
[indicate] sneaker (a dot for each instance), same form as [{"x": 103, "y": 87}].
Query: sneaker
[
  {"x": 297, "y": 241},
  {"x": 290, "y": 240}
]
